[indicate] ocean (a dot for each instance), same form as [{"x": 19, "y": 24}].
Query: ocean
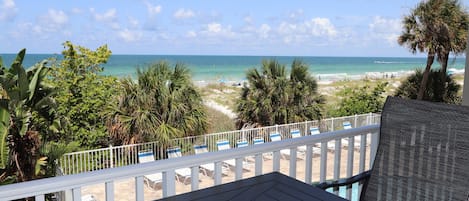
[{"x": 233, "y": 68}]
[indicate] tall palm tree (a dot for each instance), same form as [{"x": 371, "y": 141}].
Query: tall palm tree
[
  {"x": 26, "y": 96},
  {"x": 162, "y": 104},
  {"x": 271, "y": 97},
  {"x": 437, "y": 27}
]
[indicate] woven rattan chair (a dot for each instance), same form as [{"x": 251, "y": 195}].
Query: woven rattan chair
[{"x": 423, "y": 154}]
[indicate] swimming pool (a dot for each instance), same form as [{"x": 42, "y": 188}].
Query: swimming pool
[{"x": 343, "y": 190}]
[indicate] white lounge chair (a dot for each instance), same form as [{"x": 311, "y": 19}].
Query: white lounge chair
[
  {"x": 296, "y": 134},
  {"x": 152, "y": 180},
  {"x": 225, "y": 145},
  {"x": 182, "y": 174},
  {"x": 210, "y": 167},
  {"x": 274, "y": 137}
]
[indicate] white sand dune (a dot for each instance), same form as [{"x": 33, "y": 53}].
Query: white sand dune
[{"x": 223, "y": 109}]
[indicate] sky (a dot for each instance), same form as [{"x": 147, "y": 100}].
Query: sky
[{"x": 208, "y": 27}]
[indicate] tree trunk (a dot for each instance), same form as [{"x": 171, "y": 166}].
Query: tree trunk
[{"x": 426, "y": 73}]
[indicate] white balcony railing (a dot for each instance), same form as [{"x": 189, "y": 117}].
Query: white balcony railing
[
  {"x": 117, "y": 156},
  {"x": 302, "y": 169}
]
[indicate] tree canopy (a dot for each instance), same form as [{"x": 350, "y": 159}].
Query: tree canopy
[
  {"x": 271, "y": 96},
  {"x": 83, "y": 94},
  {"x": 160, "y": 105}
]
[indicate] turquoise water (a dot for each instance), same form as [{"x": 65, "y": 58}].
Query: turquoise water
[
  {"x": 213, "y": 68},
  {"x": 343, "y": 191}
]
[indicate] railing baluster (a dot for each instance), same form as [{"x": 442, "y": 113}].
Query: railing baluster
[
  {"x": 337, "y": 161},
  {"x": 217, "y": 173},
  {"x": 76, "y": 192},
  {"x": 194, "y": 178},
  {"x": 139, "y": 193},
  {"x": 258, "y": 164},
  {"x": 169, "y": 183},
  {"x": 323, "y": 169},
  {"x": 239, "y": 168},
  {"x": 293, "y": 162},
  {"x": 276, "y": 161},
  {"x": 363, "y": 139},
  {"x": 308, "y": 164},
  {"x": 109, "y": 191},
  {"x": 350, "y": 165}
]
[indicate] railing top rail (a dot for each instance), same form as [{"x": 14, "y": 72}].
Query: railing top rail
[{"x": 54, "y": 184}]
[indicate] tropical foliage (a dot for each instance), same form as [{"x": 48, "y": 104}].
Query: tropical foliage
[
  {"x": 160, "y": 105},
  {"x": 360, "y": 100},
  {"x": 25, "y": 96},
  {"x": 83, "y": 94},
  {"x": 272, "y": 97},
  {"x": 434, "y": 89},
  {"x": 437, "y": 27}
]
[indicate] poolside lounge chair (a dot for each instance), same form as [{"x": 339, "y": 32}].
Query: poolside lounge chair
[
  {"x": 274, "y": 137},
  {"x": 152, "y": 180},
  {"x": 423, "y": 153},
  {"x": 209, "y": 167},
  {"x": 296, "y": 134},
  {"x": 225, "y": 145},
  {"x": 183, "y": 174}
]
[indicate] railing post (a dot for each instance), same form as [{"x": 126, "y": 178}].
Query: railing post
[
  {"x": 355, "y": 121},
  {"x": 276, "y": 128},
  {"x": 306, "y": 128},
  {"x": 332, "y": 124},
  {"x": 111, "y": 156}
]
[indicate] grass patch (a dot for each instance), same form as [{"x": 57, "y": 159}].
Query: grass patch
[{"x": 219, "y": 122}]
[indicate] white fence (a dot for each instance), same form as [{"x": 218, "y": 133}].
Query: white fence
[
  {"x": 328, "y": 169},
  {"x": 117, "y": 156}
]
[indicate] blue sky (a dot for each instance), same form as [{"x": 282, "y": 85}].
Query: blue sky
[{"x": 208, "y": 27}]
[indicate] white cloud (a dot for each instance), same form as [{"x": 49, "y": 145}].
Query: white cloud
[
  {"x": 316, "y": 28},
  {"x": 184, "y": 14},
  {"x": 109, "y": 17},
  {"x": 152, "y": 10},
  {"x": 130, "y": 36},
  {"x": 264, "y": 30},
  {"x": 386, "y": 29},
  {"x": 218, "y": 31},
  {"x": 8, "y": 10},
  {"x": 53, "y": 21},
  {"x": 214, "y": 27},
  {"x": 322, "y": 27},
  {"x": 134, "y": 23},
  {"x": 191, "y": 34}
]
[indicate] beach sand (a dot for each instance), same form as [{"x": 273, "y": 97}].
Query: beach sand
[{"x": 125, "y": 189}]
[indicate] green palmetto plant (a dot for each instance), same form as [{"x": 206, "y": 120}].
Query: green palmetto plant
[
  {"x": 271, "y": 97},
  {"x": 162, "y": 104},
  {"x": 24, "y": 95}
]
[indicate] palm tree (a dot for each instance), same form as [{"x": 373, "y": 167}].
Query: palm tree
[
  {"x": 271, "y": 97},
  {"x": 162, "y": 104},
  {"x": 26, "y": 97},
  {"x": 437, "y": 27}
]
